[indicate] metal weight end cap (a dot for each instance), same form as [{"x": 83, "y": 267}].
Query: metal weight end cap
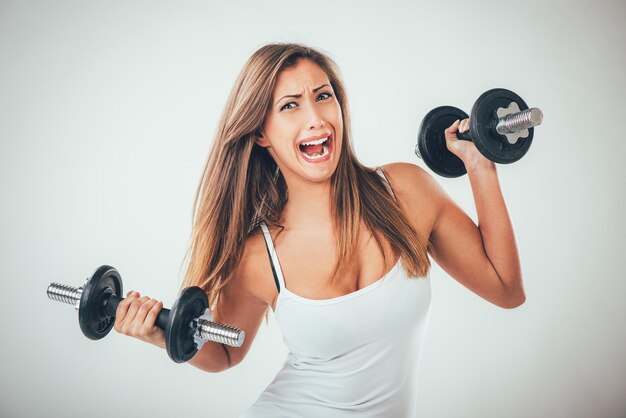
[
  {"x": 240, "y": 338},
  {"x": 417, "y": 151},
  {"x": 536, "y": 116}
]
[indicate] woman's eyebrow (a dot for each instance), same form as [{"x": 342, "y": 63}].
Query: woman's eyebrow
[{"x": 297, "y": 96}]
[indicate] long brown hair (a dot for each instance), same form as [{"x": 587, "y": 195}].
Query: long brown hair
[{"x": 241, "y": 185}]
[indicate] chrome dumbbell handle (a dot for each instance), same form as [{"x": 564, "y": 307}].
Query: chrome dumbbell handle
[
  {"x": 207, "y": 330},
  {"x": 519, "y": 121}
]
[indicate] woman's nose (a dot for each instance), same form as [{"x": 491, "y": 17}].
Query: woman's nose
[
  {"x": 317, "y": 124},
  {"x": 315, "y": 120}
]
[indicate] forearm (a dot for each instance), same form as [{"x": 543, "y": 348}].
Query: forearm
[
  {"x": 495, "y": 227},
  {"x": 212, "y": 358}
]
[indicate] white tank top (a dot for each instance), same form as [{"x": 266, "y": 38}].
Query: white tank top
[{"x": 352, "y": 355}]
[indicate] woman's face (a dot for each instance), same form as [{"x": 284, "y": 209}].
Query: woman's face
[{"x": 304, "y": 110}]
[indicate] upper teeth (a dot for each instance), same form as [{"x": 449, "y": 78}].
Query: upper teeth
[{"x": 316, "y": 142}]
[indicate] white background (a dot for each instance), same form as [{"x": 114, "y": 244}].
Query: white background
[{"x": 107, "y": 112}]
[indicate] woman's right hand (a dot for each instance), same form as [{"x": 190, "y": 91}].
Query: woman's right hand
[{"x": 136, "y": 317}]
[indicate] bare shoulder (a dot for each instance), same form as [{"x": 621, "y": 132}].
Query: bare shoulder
[
  {"x": 418, "y": 193},
  {"x": 407, "y": 176},
  {"x": 253, "y": 276}
]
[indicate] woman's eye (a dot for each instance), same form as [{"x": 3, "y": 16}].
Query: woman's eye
[
  {"x": 327, "y": 94},
  {"x": 285, "y": 106},
  {"x": 288, "y": 105}
]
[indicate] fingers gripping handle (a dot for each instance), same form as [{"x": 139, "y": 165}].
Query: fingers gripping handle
[
  {"x": 465, "y": 136},
  {"x": 110, "y": 307}
]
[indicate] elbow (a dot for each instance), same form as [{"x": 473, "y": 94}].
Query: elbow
[
  {"x": 211, "y": 368},
  {"x": 216, "y": 369},
  {"x": 513, "y": 301},
  {"x": 209, "y": 360}
]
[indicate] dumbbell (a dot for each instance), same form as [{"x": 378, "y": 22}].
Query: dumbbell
[
  {"x": 188, "y": 325},
  {"x": 501, "y": 127}
]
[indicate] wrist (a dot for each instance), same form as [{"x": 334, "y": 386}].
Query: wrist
[
  {"x": 480, "y": 166},
  {"x": 157, "y": 339}
]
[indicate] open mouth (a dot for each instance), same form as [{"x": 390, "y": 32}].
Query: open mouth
[{"x": 316, "y": 151}]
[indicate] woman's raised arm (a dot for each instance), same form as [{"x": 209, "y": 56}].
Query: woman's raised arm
[{"x": 482, "y": 258}]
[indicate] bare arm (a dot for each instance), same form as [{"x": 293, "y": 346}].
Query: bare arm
[
  {"x": 483, "y": 259},
  {"x": 240, "y": 305}
]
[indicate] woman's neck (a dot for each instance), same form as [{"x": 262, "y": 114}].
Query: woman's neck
[{"x": 308, "y": 207}]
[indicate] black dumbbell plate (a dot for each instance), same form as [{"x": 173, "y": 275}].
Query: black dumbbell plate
[
  {"x": 94, "y": 323},
  {"x": 483, "y": 121},
  {"x": 191, "y": 304},
  {"x": 431, "y": 141}
]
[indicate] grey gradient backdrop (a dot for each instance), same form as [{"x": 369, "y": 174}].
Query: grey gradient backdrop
[{"x": 107, "y": 111}]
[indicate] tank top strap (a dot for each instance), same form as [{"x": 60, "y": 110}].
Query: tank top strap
[
  {"x": 385, "y": 181},
  {"x": 271, "y": 252}
]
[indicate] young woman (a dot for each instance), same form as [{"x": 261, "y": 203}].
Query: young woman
[{"x": 286, "y": 218}]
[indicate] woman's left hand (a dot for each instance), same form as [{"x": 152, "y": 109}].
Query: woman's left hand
[{"x": 465, "y": 150}]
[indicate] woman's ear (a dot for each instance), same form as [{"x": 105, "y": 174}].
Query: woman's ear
[{"x": 261, "y": 139}]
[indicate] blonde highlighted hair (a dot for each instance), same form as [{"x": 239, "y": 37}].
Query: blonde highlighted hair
[{"x": 241, "y": 185}]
